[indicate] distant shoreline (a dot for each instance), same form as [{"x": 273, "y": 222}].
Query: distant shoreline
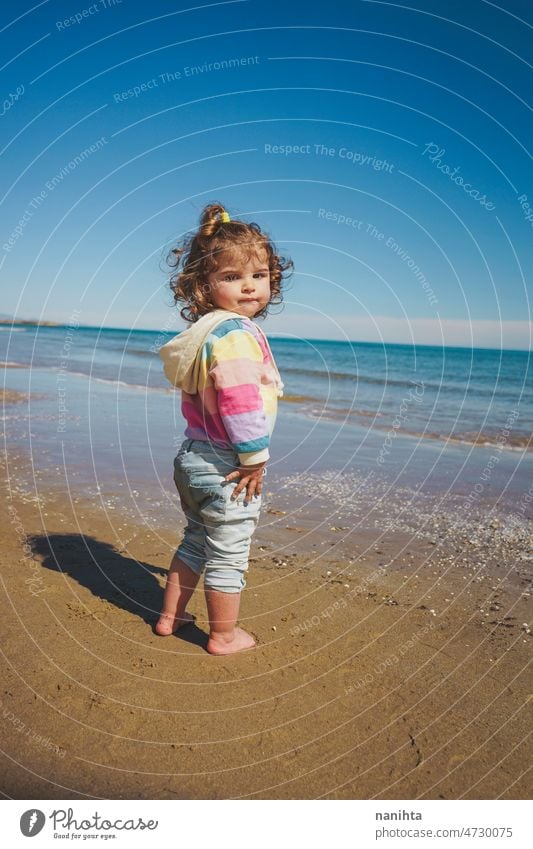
[{"x": 28, "y": 323}]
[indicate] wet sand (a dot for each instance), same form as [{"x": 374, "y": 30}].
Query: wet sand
[
  {"x": 392, "y": 659},
  {"x": 11, "y": 396}
]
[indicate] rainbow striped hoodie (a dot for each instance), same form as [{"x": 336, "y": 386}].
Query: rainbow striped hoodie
[{"x": 229, "y": 383}]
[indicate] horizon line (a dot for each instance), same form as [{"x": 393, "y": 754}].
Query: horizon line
[{"x": 46, "y": 323}]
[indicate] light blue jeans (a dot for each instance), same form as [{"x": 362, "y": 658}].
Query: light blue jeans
[{"x": 219, "y": 531}]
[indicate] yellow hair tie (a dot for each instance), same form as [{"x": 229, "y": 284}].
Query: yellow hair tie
[{"x": 224, "y": 217}]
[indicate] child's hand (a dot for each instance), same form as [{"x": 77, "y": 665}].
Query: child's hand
[{"x": 251, "y": 477}]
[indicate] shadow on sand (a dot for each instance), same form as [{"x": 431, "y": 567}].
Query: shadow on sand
[{"x": 121, "y": 580}]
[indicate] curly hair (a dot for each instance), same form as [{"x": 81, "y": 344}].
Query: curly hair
[{"x": 201, "y": 254}]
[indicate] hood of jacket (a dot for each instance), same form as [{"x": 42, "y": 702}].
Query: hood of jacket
[{"x": 181, "y": 360}]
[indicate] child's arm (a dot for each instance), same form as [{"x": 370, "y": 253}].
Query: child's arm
[{"x": 235, "y": 363}]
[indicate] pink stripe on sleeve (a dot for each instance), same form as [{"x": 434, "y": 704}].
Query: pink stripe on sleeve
[{"x": 239, "y": 399}]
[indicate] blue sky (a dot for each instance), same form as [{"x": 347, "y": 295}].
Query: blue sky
[{"x": 122, "y": 120}]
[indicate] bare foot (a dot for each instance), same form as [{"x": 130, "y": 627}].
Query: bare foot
[
  {"x": 229, "y": 644},
  {"x": 168, "y": 624}
]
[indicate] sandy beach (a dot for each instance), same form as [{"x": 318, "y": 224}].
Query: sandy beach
[
  {"x": 355, "y": 180},
  {"x": 392, "y": 660}
]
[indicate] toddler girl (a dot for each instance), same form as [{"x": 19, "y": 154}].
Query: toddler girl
[{"x": 228, "y": 274}]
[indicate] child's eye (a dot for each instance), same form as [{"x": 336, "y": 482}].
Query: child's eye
[{"x": 236, "y": 276}]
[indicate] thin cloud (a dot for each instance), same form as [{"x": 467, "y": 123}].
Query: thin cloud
[{"x": 478, "y": 333}]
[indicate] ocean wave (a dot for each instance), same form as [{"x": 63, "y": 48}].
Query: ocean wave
[
  {"x": 491, "y": 438},
  {"x": 299, "y": 399},
  {"x": 144, "y": 386},
  {"x": 141, "y": 352},
  {"x": 112, "y": 380},
  {"x": 517, "y": 441},
  {"x": 514, "y": 442},
  {"x": 345, "y": 375},
  {"x": 315, "y": 408},
  {"x": 468, "y": 389},
  {"x": 339, "y": 413},
  {"x": 483, "y": 439}
]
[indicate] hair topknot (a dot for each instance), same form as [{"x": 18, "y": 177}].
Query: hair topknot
[{"x": 199, "y": 255}]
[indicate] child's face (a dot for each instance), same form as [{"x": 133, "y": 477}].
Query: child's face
[{"x": 239, "y": 285}]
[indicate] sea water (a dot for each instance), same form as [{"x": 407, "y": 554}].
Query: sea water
[{"x": 426, "y": 416}]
